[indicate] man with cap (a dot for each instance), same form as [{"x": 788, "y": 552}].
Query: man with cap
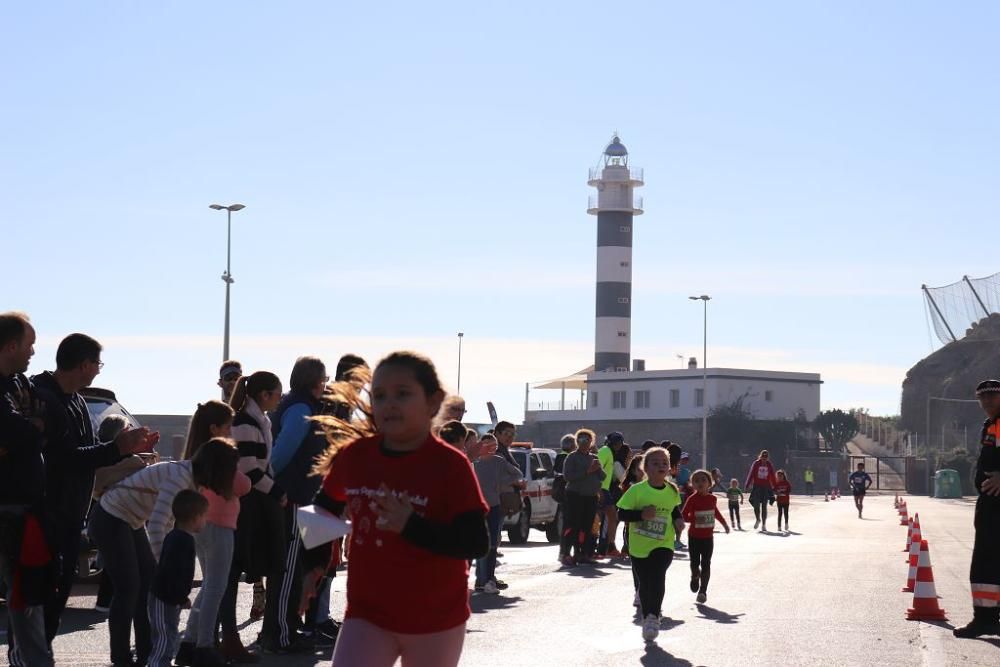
[
  {"x": 985, "y": 570},
  {"x": 568, "y": 445},
  {"x": 229, "y": 375},
  {"x": 606, "y": 455}
]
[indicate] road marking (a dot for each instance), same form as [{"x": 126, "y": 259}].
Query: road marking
[{"x": 933, "y": 654}]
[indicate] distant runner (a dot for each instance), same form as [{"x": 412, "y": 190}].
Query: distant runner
[{"x": 860, "y": 482}]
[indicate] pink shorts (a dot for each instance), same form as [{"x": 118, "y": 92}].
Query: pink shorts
[{"x": 364, "y": 644}]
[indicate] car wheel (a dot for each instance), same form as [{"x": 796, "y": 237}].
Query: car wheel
[
  {"x": 518, "y": 533},
  {"x": 554, "y": 529}
]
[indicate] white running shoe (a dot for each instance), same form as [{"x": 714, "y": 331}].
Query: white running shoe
[
  {"x": 650, "y": 627},
  {"x": 635, "y": 601},
  {"x": 701, "y": 598},
  {"x": 490, "y": 588}
]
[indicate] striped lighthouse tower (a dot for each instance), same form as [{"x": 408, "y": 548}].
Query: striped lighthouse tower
[{"x": 615, "y": 207}]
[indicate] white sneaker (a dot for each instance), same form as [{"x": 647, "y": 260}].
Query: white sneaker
[
  {"x": 651, "y": 627},
  {"x": 635, "y": 601},
  {"x": 701, "y": 598},
  {"x": 490, "y": 588}
]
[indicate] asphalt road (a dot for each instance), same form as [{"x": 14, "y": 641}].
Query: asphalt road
[{"x": 826, "y": 594}]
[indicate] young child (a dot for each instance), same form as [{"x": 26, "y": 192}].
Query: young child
[
  {"x": 782, "y": 493},
  {"x": 174, "y": 575},
  {"x": 633, "y": 475},
  {"x": 701, "y": 511},
  {"x": 417, "y": 517},
  {"x": 652, "y": 508},
  {"x": 735, "y": 495}
]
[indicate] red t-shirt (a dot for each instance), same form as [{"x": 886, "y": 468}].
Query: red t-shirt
[
  {"x": 782, "y": 492},
  {"x": 701, "y": 511},
  {"x": 392, "y": 583}
]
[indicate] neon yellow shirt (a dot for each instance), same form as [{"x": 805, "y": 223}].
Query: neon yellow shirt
[
  {"x": 644, "y": 536},
  {"x": 607, "y": 459},
  {"x": 810, "y": 476}
]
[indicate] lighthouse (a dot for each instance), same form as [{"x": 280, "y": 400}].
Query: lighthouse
[{"x": 615, "y": 206}]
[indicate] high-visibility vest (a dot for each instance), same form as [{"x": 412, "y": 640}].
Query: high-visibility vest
[{"x": 810, "y": 476}]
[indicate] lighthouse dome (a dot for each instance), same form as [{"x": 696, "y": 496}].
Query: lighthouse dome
[{"x": 616, "y": 148}]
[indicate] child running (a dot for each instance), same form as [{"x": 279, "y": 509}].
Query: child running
[
  {"x": 633, "y": 475},
  {"x": 652, "y": 508},
  {"x": 735, "y": 495},
  {"x": 417, "y": 516},
  {"x": 701, "y": 510},
  {"x": 783, "y": 495},
  {"x": 174, "y": 574}
]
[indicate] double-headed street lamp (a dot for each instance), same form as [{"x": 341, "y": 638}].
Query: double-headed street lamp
[
  {"x": 227, "y": 277},
  {"x": 704, "y": 298}
]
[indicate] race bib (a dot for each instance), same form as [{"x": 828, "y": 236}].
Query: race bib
[
  {"x": 653, "y": 528},
  {"x": 761, "y": 473},
  {"x": 704, "y": 519}
]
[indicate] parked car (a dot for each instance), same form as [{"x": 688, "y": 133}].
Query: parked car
[{"x": 539, "y": 508}]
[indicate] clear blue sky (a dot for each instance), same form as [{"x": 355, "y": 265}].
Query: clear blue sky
[{"x": 411, "y": 170}]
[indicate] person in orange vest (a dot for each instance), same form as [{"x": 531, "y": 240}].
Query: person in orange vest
[{"x": 984, "y": 572}]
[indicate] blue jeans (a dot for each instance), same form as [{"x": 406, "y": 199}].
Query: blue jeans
[
  {"x": 214, "y": 546},
  {"x": 486, "y": 566}
]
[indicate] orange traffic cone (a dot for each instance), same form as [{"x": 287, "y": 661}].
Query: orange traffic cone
[
  {"x": 915, "y": 535},
  {"x": 895, "y": 503},
  {"x": 914, "y": 559},
  {"x": 903, "y": 517},
  {"x": 909, "y": 535},
  {"x": 925, "y": 605}
]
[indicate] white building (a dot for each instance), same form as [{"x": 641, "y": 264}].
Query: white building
[{"x": 675, "y": 394}]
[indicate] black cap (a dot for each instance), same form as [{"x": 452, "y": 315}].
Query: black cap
[
  {"x": 615, "y": 436},
  {"x": 988, "y": 387}
]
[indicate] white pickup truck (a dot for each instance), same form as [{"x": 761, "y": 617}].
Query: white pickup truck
[{"x": 539, "y": 508}]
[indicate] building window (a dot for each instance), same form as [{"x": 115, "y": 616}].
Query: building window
[
  {"x": 624, "y": 263},
  {"x": 623, "y": 299},
  {"x": 675, "y": 398},
  {"x": 618, "y": 400},
  {"x": 593, "y": 399},
  {"x": 768, "y": 395},
  {"x": 699, "y": 398},
  {"x": 625, "y": 229},
  {"x": 642, "y": 399},
  {"x": 623, "y": 334}
]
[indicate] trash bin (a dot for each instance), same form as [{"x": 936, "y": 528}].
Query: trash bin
[{"x": 947, "y": 484}]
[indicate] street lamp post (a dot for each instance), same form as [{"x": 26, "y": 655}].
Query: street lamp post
[
  {"x": 704, "y": 298},
  {"x": 227, "y": 277},
  {"x": 458, "y": 390}
]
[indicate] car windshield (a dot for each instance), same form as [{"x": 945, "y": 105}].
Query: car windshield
[{"x": 522, "y": 461}]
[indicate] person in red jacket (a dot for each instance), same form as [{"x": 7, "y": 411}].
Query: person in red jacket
[
  {"x": 783, "y": 493},
  {"x": 760, "y": 482},
  {"x": 701, "y": 511}
]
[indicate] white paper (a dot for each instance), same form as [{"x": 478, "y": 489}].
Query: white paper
[{"x": 317, "y": 526}]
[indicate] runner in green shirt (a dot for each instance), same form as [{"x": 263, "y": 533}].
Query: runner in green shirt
[
  {"x": 735, "y": 495},
  {"x": 652, "y": 510}
]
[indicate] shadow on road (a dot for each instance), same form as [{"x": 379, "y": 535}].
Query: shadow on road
[
  {"x": 80, "y": 620},
  {"x": 717, "y": 615},
  {"x": 482, "y": 604},
  {"x": 585, "y": 572},
  {"x": 655, "y": 656}
]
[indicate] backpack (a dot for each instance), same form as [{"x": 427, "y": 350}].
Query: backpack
[{"x": 559, "y": 489}]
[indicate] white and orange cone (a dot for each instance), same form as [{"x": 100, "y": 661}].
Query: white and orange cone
[
  {"x": 925, "y": 605},
  {"x": 915, "y": 535},
  {"x": 904, "y": 516},
  {"x": 914, "y": 559},
  {"x": 909, "y": 536}
]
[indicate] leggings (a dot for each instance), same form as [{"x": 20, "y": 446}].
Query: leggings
[
  {"x": 361, "y": 642},
  {"x": 700, "y": 551},
  {"x": 758, "y": 499},
  {"x": 734, "y": 514},
  {"x": 650, "y": 573},
  {"x": 783, "y": 510},
  {"x": 580, "y": 511},
  {"x": 129, "y": 561}
]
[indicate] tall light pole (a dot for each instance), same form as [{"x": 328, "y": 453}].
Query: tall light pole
[
  {"x": 227, "y": 277},
  {"x": 704, "y": 298},
  {"x": 458, "y": 389}
]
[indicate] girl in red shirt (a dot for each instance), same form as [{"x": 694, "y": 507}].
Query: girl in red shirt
[
  {"x": 783, "y": 494},
  {"x": 701, "y": 511},
  {"x": 417, "y": 516}
]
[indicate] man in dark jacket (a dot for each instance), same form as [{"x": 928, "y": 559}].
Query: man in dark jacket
[
  {"x": 72, "y": 455},
  {"x": 24, "y": 555}
]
